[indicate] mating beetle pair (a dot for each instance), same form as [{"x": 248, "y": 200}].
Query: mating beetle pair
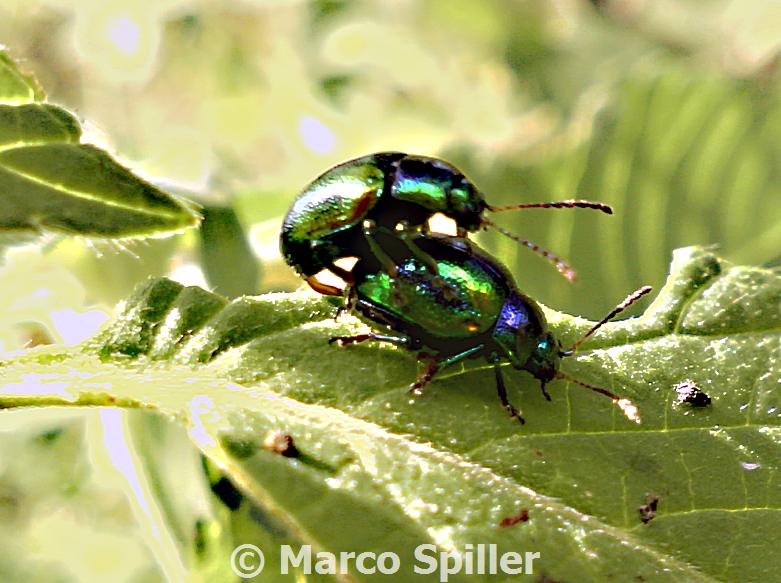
[
  {"x": 343, "y": 210},
  {"x": 444, "y": 297}
]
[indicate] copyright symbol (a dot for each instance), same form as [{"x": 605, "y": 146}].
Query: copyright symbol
[{"x": 247, "y": 561}]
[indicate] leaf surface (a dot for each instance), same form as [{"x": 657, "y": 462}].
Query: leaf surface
[
  {"x": 51, "y": 182},
  {"x": 381, "y": 471}
]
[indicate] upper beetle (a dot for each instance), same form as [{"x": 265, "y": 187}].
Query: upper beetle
[{"x": 339, "y": 214}]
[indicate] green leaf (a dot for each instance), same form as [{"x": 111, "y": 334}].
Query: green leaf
[
  {"x": 379, "y": 470},
  {"x": 228, "y": 262},
  {"x": 51, "y": 182},
  {"x": 173, "y": 471},
  {"x": 36, "y": 124},
  {"x": 16, "y": 86}
]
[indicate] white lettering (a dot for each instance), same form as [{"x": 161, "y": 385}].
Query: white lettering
[
  {"x": 395, "y": 563},
  {"x": 288, "y": 558},
  {"x": 361, "y": 567},
  {"x": 344, "y": 561},
  {"x": 446, "y": 569},
  {"x": 471, "y": 560},
  {"x": 530, "y": 562},
  {"x": 511, "y": 563},
  {"x": 422, "y": 557},
  {"x": 468, "y": 557},
  {"x": 326, "y": 564}
]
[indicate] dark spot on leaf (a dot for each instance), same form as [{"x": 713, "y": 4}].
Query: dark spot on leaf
[
  {"x": 282, "y": 443},
  {"x": 35, "y": 335},
  {"x": 200, "y": 537},
  {"x": 521, "y": 516},
  {"x": 50, "y": 436},
  {"x": 648, "y": 510},
  {"x": 227, "y": 493},
  {"x": 691, "y": 394}
]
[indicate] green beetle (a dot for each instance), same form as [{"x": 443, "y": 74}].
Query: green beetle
[
  {"x": 478, "y": 313},
  {"x": 339, "y": 214}
]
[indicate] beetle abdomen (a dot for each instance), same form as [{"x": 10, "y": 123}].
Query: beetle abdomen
[{"x": 463, "y": 300}]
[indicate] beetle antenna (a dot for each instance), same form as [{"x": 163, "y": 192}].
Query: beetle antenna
[
  {"x": 563, "y": 267},
  {"x": 600, "y": 390},
  {"x": 568, "y": 204},
  {"x": 628, "y": 408},
  {"x": 628, "y": 301}
]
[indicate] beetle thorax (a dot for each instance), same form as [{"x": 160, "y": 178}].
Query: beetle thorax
[{"x": 438, "y": 187}]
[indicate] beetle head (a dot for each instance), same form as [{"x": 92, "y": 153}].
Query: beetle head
[{"x": 543, "y": 362}]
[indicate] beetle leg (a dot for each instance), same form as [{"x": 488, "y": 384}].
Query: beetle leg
[
  {"x": 350, "y": 300},
  {"x": 389, "y": 265},
  {"x": 502, "y": 391},
  {"x": 424, "y": 258},
  {"x": 434, "y": 365},
  {"x": 341, "y": 273},
  {"x": 429, "y": 370},
  {"x": 428, "y": 262},
  {"x": 322, "y": 288},
  {"x": 339, "y": 311},
  {"x": 544, "y": 391},
  {"x": 345, "y": 340},
  {"x": 461, "y": 355}
]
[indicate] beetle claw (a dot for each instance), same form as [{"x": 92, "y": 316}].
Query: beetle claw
[
  {"x": 339, "y": 311},
  {"x": 515, "y": 413}
]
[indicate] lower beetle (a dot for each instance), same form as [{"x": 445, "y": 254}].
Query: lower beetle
[
  {"x": 339, "y": 213},
  {"x": 478, "y": 313}
]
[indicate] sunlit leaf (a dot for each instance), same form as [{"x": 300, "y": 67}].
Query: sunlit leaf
[
  {"x": 378, "y": 470},
  {"x": 51, "y": 182},
  {"x": 16, "y": 86}
]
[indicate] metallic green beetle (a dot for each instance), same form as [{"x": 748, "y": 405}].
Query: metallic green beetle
[
  {"x": 479, "y": 312},
  {"x": 339, "y": 214}
]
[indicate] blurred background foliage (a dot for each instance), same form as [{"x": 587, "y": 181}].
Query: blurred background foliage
[{"x": 668, "y": 110}]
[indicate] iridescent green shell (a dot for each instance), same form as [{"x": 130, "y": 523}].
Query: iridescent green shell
[
  {"x": 463, "y": 301},
  {"x": 472, "y": 303},
  {"x": 435, "y": 186},
  {"x": 337, "y": 200},
  {"x": 326, "y": 221}
]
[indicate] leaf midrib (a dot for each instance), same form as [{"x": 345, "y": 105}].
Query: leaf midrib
[{"x": 156, "y": 212}]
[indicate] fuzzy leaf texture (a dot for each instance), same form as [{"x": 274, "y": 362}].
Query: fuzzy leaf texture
[
  {"x": 382, "y": 471},
  {"x": 52, "y": 182}
]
